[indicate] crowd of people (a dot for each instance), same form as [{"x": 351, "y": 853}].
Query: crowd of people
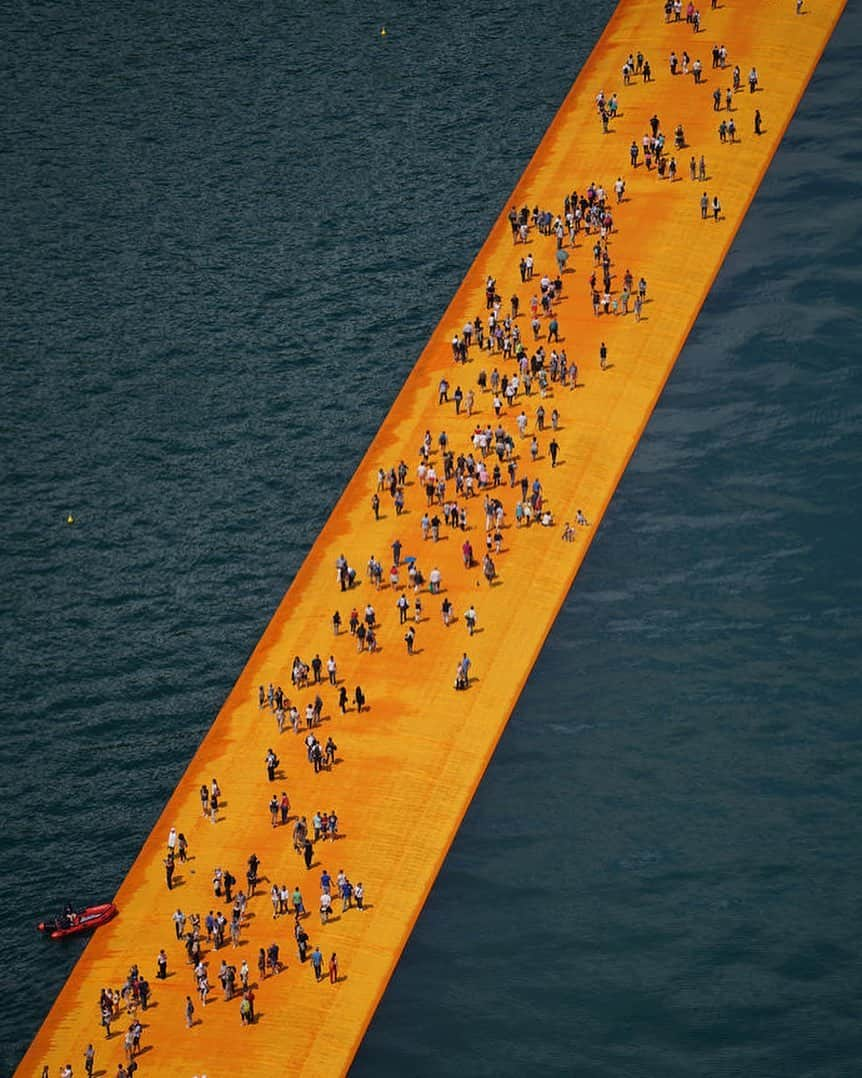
[{"x": 508, "y": 422}]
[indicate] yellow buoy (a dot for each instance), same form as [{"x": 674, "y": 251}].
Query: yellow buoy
[
  {"x": 383, "y": 32},
  {"x": 70, "y": 519}
]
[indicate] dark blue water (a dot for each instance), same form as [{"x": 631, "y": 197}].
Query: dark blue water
[{"x": 227, "y": 232}]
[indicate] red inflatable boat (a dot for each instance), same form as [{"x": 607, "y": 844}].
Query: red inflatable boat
[{"x": 70, "y": 924}]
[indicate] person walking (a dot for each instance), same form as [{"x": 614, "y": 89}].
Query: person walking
[
  {"x": 317, "y": 963},
  {"x": 190, "y": 1012},
  {"x": 333, "y": 969}
]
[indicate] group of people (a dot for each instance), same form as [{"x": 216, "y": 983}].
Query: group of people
[{"x": 469, "y": 474}]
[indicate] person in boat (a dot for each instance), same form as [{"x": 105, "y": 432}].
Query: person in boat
[{"x": 68, "y": 918}]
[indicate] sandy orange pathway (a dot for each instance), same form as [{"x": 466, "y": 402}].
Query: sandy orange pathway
[{"x": 410, "y": 765}]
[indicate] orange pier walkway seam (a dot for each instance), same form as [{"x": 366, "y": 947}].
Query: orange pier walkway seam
[{"x": 411, "y": 763}]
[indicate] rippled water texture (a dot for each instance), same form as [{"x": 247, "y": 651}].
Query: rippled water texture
[{"x": 227, "y": 231}]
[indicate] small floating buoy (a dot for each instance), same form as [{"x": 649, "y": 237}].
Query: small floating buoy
[
  {"x": 383, "y": 31},
  {"x": 70, "y": 519}
]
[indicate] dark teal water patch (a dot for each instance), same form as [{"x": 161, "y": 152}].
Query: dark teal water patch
[{"x": 226, "y": 235}]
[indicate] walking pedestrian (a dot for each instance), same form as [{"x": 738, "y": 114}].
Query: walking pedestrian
[
  {"x": 317, "y": 963},
  {"x": 190, "y": 1012}
]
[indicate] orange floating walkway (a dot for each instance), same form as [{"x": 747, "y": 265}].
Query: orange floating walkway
[{"x": 410, "y": 764}]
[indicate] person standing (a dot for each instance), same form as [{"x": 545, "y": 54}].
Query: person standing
[
  {"x": 603, "y": 356},
  {"x": 554, "y": 449},
  {"x": 190, "y": 1012},
  {"x": 89, "y": 1060},
  {"x": 162, "y": 965},
  {"x": 333, "y": 969},
  {"x": 169, "y": 870},
  {"x": 179, "y": 919},
  {"x": 244, "y": 1010}
]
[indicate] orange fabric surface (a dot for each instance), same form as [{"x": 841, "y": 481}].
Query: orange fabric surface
[{"x": 411, "y": 762}]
